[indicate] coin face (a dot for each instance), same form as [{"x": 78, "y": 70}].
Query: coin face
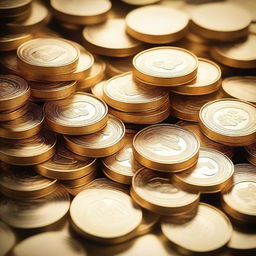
[
  {"x": 212, "y": 173},
  {"x": 230, "y": 119},
  {"x": 48, "y": 53},
  {"x": 8, "y": 238},
  {"x": 166, "y": 147},
  {"x": 81, "y": 113},
  {"x": 35, "y": 213},
  {"x": 241, "y": 87},
  {"x": 94, "y": 211},
  {"x": 147, "y": 25},
  {"x": 208, "y": 79},
  {"x": 158, "y": 190},
  {"x": 123, "y": 93},
  {"x": 97, "y": 89},
  {"x": 212, "y": 225},
  {"x": 165, "y": 66}
]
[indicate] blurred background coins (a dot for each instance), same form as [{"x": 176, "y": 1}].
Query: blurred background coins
[
  {"x": 156, "y": 24},
  {"x": 250, "y": 152},
  {"x": 156, "y": 192},
  {"x": 48, "y": 56},
  {"x": 110, "y": 39},
  {"x": 11, "y": 42},
  {"x": 165, "y": 66},
  {"x": 229, "y": 121},
  {"x": 166, "y": 147},
  {"x": 231, "y": 23},
  {"x": 81, "y": 113},
  {"x": 81, "y": 12}
]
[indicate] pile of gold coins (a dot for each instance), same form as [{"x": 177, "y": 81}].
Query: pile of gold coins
[{"x": 127, "y": 127}]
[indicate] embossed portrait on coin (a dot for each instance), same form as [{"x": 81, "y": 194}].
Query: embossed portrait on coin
[
  {"x": 47, "y": 54},
  {"x": 78, "y": 109}
]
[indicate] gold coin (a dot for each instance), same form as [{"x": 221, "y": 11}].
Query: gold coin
[
  {"x": 250, "y": 152},
  {"x": 8, "y": 238},
  {"x": 187, "y": 107},
  {"x": 241, "y": 87},
  {"x": 165, "y": 66},
  {"x": 97, "y": 89},
  {"x": 48, "y": 56},
  {"x": 23, "y": 182},
  {"x": 25, "y": 126},
  {"x": 220, "y": 21},
  {"x": 81, "y": 113},
  {"x": 252, "y": 28},
  {"x": 110, "y": 39},
  {"x": 212, "y": 227},
  {"x": 147, "y": 117},
  {"x": 238, "y": 54},
  {"x": 100, "y": 144},
  {"x": 94, "y": 210},
  {"x": 156, "y": 192},
  {"x": 244, "y": 172},
  {"x": 145, "y": 24},
  {"x": 38, "y": 17},
  {"x": 30, "y": 151},
  {"x": 239, "y": 201},
  {"x": 208, "y": 79},
  {"x": 140, "y": 2},
  {"x": 121, "y": 166},
  {"x": 14, "y": 92},
  {"x": 123, "y": 93},
  {"x": 9, "y": 115},
  {"x": 166, "y": 148},
  {"x": 14, "y": 7},
  {"x": 50, "y": 243},
  {"x": 212, "y": 173},
  {"x": 81, "y": 12},
  {"x": 11, "y": 42},
  {"x": 63, "y": 166},
  {"x": 204, "y": 141},
  {"x": 229, "y": 121},
  {"x": 118, "y": 66},
  {"x": 95, "y": 75},
  {"x": 52, "y": 90}
]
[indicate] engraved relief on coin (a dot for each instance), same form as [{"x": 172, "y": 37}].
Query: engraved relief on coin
[{"x": 205, "y": 168}]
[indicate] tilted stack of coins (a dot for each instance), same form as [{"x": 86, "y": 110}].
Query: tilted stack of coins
[{"x": 141, "y": 141}]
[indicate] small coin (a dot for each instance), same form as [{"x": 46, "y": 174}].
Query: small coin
[
  {"x": 25, "y": 126},
  {"x": 229, "y": 121},
  {"x": 35, "y": 213},
  {"x": 251, "y": 153},
  {"x": 165, "y": 66},
  {"x": 145, "y": 24},
  {"x": 208, "y": 79},
  {"x": 156, "y": 192},
  {"x": 50, "y": 243},
  {"x": 212, "y": 173},
  {"x": 48, "y": 56},
  {"x": 14, "y": 92},
  {"x": 8, "y": 238},
  {"x": 30, "y": 151},
  {"x": 100, "y": 144},
  {"x": 241, "y": 87},
  {"x": 123, "y": 93},
  {"x": 64, "y": 166},
  {"x": 166, "y": 147},
  {"x": 81, "y": 113},
  {"x": 214, "y": 227},
  {"x": 110, "y": 39}
]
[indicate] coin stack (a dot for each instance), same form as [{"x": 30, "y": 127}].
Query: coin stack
[{"x": 128, "y": 128}]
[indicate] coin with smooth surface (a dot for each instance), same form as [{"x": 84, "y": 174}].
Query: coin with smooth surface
[
  {"x": 208, "y": 79},
  {"x": 110, "y": 39},
  {"x": 155, "y": 192},
  {"x": 8, "y": 238},
  {"x": 10, "y": 42},
  {"x": 212, "y": 228},
  {"x": 100, "y": 144},
  {"x": 81, "y": 113},
  {"x": 156, "y": 24},
  {"x": 14, "y": 92},
  {"x": 97, "y": 89},
  {"x": 241, "y": 87},
  {"x": 30, "y": 151},
  {"x": 123, "y": 93},
  {"x": 212, "y": 173},
  {"x": 165, "y": 66},
  {"x": 35, "y": 213},
  {"x": 166, "y": 147},
  {"x": 229, "y": 121}
]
